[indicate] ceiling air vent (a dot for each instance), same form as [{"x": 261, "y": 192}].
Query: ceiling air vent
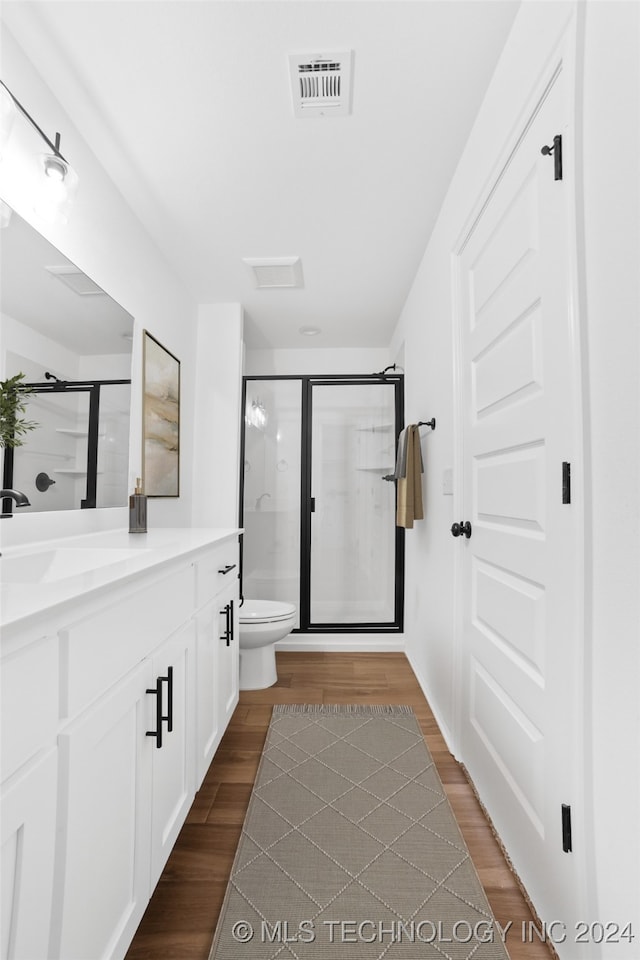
[
  {"x": 275, "y": 271},
  {"x": 321, "y": 84},
  {"x": 77, "y": 281}
]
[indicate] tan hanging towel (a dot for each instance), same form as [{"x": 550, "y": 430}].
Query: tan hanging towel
[{"x": 409, "y": 495}]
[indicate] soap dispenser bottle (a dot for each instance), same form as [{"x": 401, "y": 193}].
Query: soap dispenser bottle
[{"x": 138, "y": 510}]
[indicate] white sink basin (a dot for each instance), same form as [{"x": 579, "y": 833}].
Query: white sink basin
[{"x": 60, "y": 563}]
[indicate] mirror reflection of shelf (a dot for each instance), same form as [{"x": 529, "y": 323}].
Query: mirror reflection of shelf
[
  {"x": 75, "y": 433},
  {"x": 74, "y": 473}
]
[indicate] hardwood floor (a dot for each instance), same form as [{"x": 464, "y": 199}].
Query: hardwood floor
[{"x": 181, "y": 917}]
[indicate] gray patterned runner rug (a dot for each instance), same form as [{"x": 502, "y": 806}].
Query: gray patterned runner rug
[{"x": 350, "y": 848}]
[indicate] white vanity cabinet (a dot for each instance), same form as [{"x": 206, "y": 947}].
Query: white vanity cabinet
[
  {"x": 127, "y": 769},
  {"x": 96, "y": 788},
  {"x": 228, "y": 669},
  {"x": 29, "y": 770},
  {"x": 218, "y": 654},
  {"x": 126, "y": 759},
  {"x": 102, "y": 860},
  {"x": 28, "y": 837},
  {"x": 173, "y": 743}
]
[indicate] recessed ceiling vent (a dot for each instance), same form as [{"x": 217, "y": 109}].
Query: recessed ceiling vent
[
  {"x": 321, "y": 84},
  {"x": 77, "y": 281},
  {"x": 275, "y": 272}
]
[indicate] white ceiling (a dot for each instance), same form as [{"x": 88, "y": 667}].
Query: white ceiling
[{"x": 187, "y": 102}]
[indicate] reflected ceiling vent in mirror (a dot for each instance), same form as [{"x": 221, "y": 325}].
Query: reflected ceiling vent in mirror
[
  {"x": 76, "y": 280},
  {"x": 321, "y": 83},
  {"x": 275, "y": 272}
]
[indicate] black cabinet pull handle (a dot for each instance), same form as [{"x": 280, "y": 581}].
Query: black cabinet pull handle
[
  {"x": 160, "y": 716},
  {"x": 157, "y": 692},
  {"x": 225, "y": 570},
  {"x": 227, "y": 628},
  {"x": 230, "y": 630},
  {"x": 169, "y": 681}
]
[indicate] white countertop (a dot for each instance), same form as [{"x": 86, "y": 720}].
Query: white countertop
[{"x": 101, "y": 559}]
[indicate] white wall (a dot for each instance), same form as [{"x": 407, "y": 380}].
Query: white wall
[
  {"x": 609, "y": 317},
  {"x": 316, "y": 360},
  {"x": 109, "y": 244},
  {"x": 216, "y": 417}
]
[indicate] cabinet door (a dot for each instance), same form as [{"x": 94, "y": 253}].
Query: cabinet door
[
  {"x": 173, "y": 786},
  {"x": 28, "y": 844},
  {"x": 228, "y": 656},
  {"x": 102, "y": 871},
  {"x": 210, "y": 627}
]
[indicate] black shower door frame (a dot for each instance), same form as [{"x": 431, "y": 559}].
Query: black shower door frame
[{"x": 307, "y": 504}]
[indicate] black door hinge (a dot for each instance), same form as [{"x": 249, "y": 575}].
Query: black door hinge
[
  {"x": 566, "y": 828},
  {"x": 556, "y": 150},
  {"x": 566, "y": 482}
]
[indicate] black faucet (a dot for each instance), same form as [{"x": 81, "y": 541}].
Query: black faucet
[{"x": 21, "y": 500}]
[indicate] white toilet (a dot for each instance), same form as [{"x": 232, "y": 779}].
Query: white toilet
[{"x": 262, "y": 624}]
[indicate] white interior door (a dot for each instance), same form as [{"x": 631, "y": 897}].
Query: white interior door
[{"x": 520, "y": 567}]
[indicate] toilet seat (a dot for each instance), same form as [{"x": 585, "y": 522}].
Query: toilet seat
[{"x": 266, "y": 611}]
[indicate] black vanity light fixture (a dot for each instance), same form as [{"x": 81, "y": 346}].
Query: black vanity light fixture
[{"x": 61, "y": 180}]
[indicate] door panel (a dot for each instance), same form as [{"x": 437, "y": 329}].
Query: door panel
[
  {"x": 173, "y": 764},
  {"x": 352, "y": 557},
  {"x": 105, "y": 776},
  {"x": 508, "y": 370},
  {"x": 27, "y": 851},
  {"x": 508, "y": 489},
  {"x": 271, "y": 490},
  {"x": 519, "y": 646}
]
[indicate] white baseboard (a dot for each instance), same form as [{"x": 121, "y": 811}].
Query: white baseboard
[
  {"x": 444, "y": 729},
  {"x": 343, "y": 643}
]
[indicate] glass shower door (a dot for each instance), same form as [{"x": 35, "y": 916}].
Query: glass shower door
[
  {"x": 353, "y": 533},
  {"x": 271, "y": 494}
]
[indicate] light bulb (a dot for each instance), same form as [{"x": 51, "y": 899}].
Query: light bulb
[
  {"x": 56, "y": 189},
  {"x": 54, "y": 167}
]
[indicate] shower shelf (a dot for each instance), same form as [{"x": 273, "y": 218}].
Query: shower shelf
[{"x": 382, "y": 428}]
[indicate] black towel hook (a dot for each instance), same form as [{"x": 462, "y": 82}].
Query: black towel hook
[{"x": 428, "y": 423}]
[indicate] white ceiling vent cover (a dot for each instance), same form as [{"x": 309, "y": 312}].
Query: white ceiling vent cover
[
  {"x": 321, "y": 83},
  {"x": 275, "y": 272}
]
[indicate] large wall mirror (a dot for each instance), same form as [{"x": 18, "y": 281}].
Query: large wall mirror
[{"x": 73, "y": 343}]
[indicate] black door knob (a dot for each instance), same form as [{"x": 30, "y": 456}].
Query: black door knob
[{"x": 462, "y": 529}]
